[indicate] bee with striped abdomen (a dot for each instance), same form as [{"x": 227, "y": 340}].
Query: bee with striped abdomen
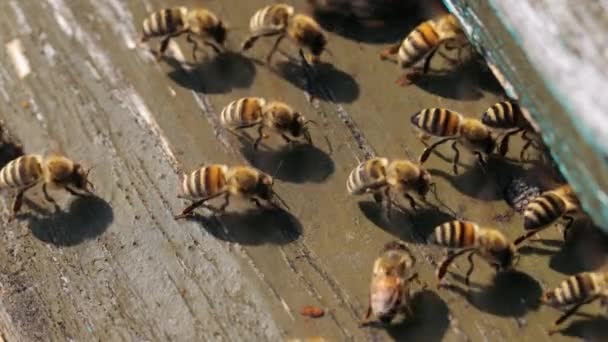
[
  {"x": 441, "y": 122},
  {"x": 549, "y": 207},
  {"x": 576, "y": 291},
  {"x": 463, "y": 237},
  {"x": 381, "y": 177},
  {"x": 195, "y": 23},
  {"x": 56, "y": 171},
  {"x": 507, "y": 115},
  {"x": 425, "y": 41},
  {"x": 277, "y": 116},
  {"x": 389, "y": 293},
  {"x": 280, "y": 20},
  {"x": 214, "y": 180}
]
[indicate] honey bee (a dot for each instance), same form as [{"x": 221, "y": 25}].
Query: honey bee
[
  {"x": 280, "y": 20},
  {"x": 214, "y": 180},
  {"x": 549, "y": 207},
  {"x": 576, "y": 291},
  {"x": 471, "y": 133},
  {"x": 379, "y": 177},
  {"x": 390, "y": 286},
  {"x": 277, "y": 116},
  {"x": 464, "y": 237},
  {"x": 424, "y": 42},
  {"x": 173, "y": 22},
  {"x": 508, "y": 115},
  {"x": 24, "y": 172}
]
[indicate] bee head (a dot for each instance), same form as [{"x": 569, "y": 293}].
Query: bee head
[
  {"x": 80, "y": 178},
  {"x": 505, "y": 257},
  {"x": 219, "y": 32},
  {"x": 264, "y": 186},
  {"x": 423, "y": 184},
  {"x": 317, "y": 46},
  {"x": 549, "y": 298},
  {"x": 490, "y": 144}
]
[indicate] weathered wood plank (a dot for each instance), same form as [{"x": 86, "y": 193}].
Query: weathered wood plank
[
  {"x": 120, "y": 268},
  {"x": 553, "y": 57}
]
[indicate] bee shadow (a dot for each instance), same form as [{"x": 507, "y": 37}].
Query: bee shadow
[
  {"x": 585, "y": 250},
  {"x": 326, "y": 82},
  {"x": 219, "y": 74},
  {"x": 511, "y": 294},
  {"x": 595, "y": 329},
  {"x": 421, "y": 222},
  {"x": 463, "y": 83},
  {"x": 430, "y": 322},
  {"x": 297, "y": 163},
  {"x": 379, "y": 22},
  {"x": 482, "y": 184},
  {"x": 85, "y": 218},
  {"x": 252, "y": 226},
  {"x": 10, "y": 148}
]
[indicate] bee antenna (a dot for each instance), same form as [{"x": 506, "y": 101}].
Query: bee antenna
[
  {"x": 277, "y": 170},
  {"x": 274, "y": 194},
  {"x": 312, "y": 122}
]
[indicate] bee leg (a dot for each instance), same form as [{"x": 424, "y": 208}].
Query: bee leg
[
  {"x": 275, "y": 46},
  {"x": 366, "y": 320},
  {"x": 427, "y": 61},
  {"x": 248, "y": 43},
  {"x": 286, "y": 138},
  {"x": 391, "y": 50},
  {"x": 72, "y": 191},
  {"x": 194, "y": 44},
  {"x": 482, "y": 162},
  {"x": 412, "y": 202},
  {"x": 427, "y": 151},
  {"x": 569, "y": 220},
  {"x": 224, "y": 205},
  {"x": 18, "y": 202},
  {"x": 504, "y": 142},
  {"x": 569, "y": 313},
  {"x": 261, "y": 136},
  {"x": 445, "y": 263},
  {"x": 526, "y": 236},
  {"x": 165, "y": 43},
  {"x": 456, "y": 157},
  {"x": 212, "y": 45},
  {"x": 408, "y": 77},
  {"x": 188, "y": 210},
  {"x": 256, "y": 202},
  {"x": 378, "y": 197},
  {"x": 470, "y": 269},
  {"x": 527, "y": 145},
  {"x": 47, "y": 197}
]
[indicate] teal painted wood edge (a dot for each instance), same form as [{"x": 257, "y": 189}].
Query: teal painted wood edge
[{"x": 593, "y": 198}]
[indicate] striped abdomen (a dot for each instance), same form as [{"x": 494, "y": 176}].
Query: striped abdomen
[
  {"x": 574, "y": 290},
  {"x": 273, "y": 16},
  {"x": 243, "y": 112},
  {"x": 21, "y": 172},
  {"x": 438, "y": 122},
  {"x": 457, "y": 234},
  {"x": 544, "y": 210},
  {"x": 504, "y": 115},
  {"x": 417, "y": 44},
  {"x": 207, "y": 181},
  {"x": 164, "y": 21},
  {"x": 367, "y": 175}
]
